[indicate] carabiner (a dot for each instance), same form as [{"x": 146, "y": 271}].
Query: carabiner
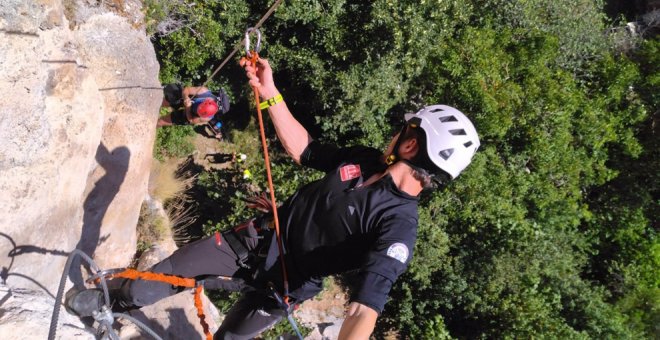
[
  {"x": 257, "y": 48},
  {"x": 105, "y": 274}
]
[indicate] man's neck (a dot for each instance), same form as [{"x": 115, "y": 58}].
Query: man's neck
[{"x": 402, "y": 176}]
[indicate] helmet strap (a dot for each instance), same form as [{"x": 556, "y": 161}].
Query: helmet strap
[{"x": 394, "y": 156}]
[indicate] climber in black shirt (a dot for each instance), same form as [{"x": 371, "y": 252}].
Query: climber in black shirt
[{"x": 360, "y": 217}]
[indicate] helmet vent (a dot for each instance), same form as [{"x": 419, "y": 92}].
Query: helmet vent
[
  {"x": 448, "y": 119},
  {"x": 445, "y": 154},
  {"x": 458, "y": 132},
  {"x": 468, "y": 144}
]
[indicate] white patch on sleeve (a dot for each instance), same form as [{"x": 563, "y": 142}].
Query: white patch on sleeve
[{"x": 398, "y": 251}]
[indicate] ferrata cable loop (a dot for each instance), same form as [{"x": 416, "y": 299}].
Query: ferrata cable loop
[{"x": 257, "y": 47}]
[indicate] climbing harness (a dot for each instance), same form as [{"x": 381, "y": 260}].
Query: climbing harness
[
  {"x": 244, "y": 256},
  {"x": 282, "y": 300}
]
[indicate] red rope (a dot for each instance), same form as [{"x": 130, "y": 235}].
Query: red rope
[{"x": 254, "y": 56}]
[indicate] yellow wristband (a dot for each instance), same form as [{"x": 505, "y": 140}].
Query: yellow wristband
[{"x": 270, "y": 102}]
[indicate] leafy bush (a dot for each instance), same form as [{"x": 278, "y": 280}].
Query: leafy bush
[
  {"x": 581, "y": 26},
  {"x": 284, "y": 328},
  {"x": 173, "y": 142}
]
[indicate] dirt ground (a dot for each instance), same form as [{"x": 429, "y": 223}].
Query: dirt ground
[{"x": 211, "y": 153}]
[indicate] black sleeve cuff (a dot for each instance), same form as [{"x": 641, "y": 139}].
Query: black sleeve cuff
[{"x": 372, "y": 291}]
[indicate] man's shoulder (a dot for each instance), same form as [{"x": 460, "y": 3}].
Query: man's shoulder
[
  {"x": 327, "y": 156},
  {"x": 400, "y": 213},
  {"x": 363, "y": 155},
  {"x": 362, "y": 150}
]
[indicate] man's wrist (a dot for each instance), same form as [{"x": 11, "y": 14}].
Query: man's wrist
[
  {"x": 272, "y": 101},
  {"x": 268, "y": 93}
]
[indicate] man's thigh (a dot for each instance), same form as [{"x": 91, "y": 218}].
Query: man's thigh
[{"x": 207, "y": 257}]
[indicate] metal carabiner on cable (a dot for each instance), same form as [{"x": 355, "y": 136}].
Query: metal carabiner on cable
[
  {"x": 105, "y": 274},
  {"x": 257, "y": 47}
]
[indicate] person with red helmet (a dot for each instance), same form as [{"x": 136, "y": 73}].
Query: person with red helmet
[{"x": 192, "y": 105}]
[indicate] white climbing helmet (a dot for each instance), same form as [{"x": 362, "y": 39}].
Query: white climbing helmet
[{"x": 451, "y": 139}]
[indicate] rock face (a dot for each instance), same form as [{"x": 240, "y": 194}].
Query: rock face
[
  {"x": 174, "y": 317},
  {"x": 26, "y": 314},
  {"x": 324, "y": 314},
  {"x": 80, "y": 93}
]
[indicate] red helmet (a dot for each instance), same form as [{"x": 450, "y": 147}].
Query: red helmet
[{"x": 207, "y": 108}]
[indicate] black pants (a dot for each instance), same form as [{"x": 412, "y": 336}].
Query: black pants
[
  {"x": 208, "y": 257},
  {"x": 173, "y": 93}
]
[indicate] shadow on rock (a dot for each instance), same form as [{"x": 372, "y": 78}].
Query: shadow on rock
[
  {"x": 96, "y": 204},
  {"x": 5, "y": 271}
]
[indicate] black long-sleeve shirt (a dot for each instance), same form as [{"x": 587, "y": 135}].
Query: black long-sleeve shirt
[{"x": 335, "y": 225}]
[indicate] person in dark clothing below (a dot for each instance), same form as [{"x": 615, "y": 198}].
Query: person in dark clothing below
[
  {"x": 361, "y": 218},
  {"x": 192, "y": 105}
]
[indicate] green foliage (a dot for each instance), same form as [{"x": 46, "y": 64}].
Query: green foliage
[
  {"x": 627, "y": 249},
  {"x": 349, "y": 63},
  {"x": 435, "y": 329},
  {"x": 284, "y": 328},
  {"x": 191, "y": 35},
  {"x": 648, "y": 58},
  {"x": 224, "y": 191},
  {"x": 223, "y": 300},
  {"x": 641, "y": 302},
  {"x": 579, "y": 25},
  {"x": 174, "y": 141}
]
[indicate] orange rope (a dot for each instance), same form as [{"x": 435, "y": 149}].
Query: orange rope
[
  {"x": 254, "y": 56},
  {"x": 149, "y": 276},
  {"x": 133, "y": 274},
  {"x": 200, "y": 312}
]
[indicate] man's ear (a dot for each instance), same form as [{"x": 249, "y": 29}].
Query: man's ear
[{"x": 409, "y": 148}]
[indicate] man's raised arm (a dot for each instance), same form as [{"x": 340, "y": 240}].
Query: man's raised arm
[{"x": 293, "y": 136}]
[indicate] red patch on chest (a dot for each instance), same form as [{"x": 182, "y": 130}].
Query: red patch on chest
[{"x": 348, "y": 172}]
